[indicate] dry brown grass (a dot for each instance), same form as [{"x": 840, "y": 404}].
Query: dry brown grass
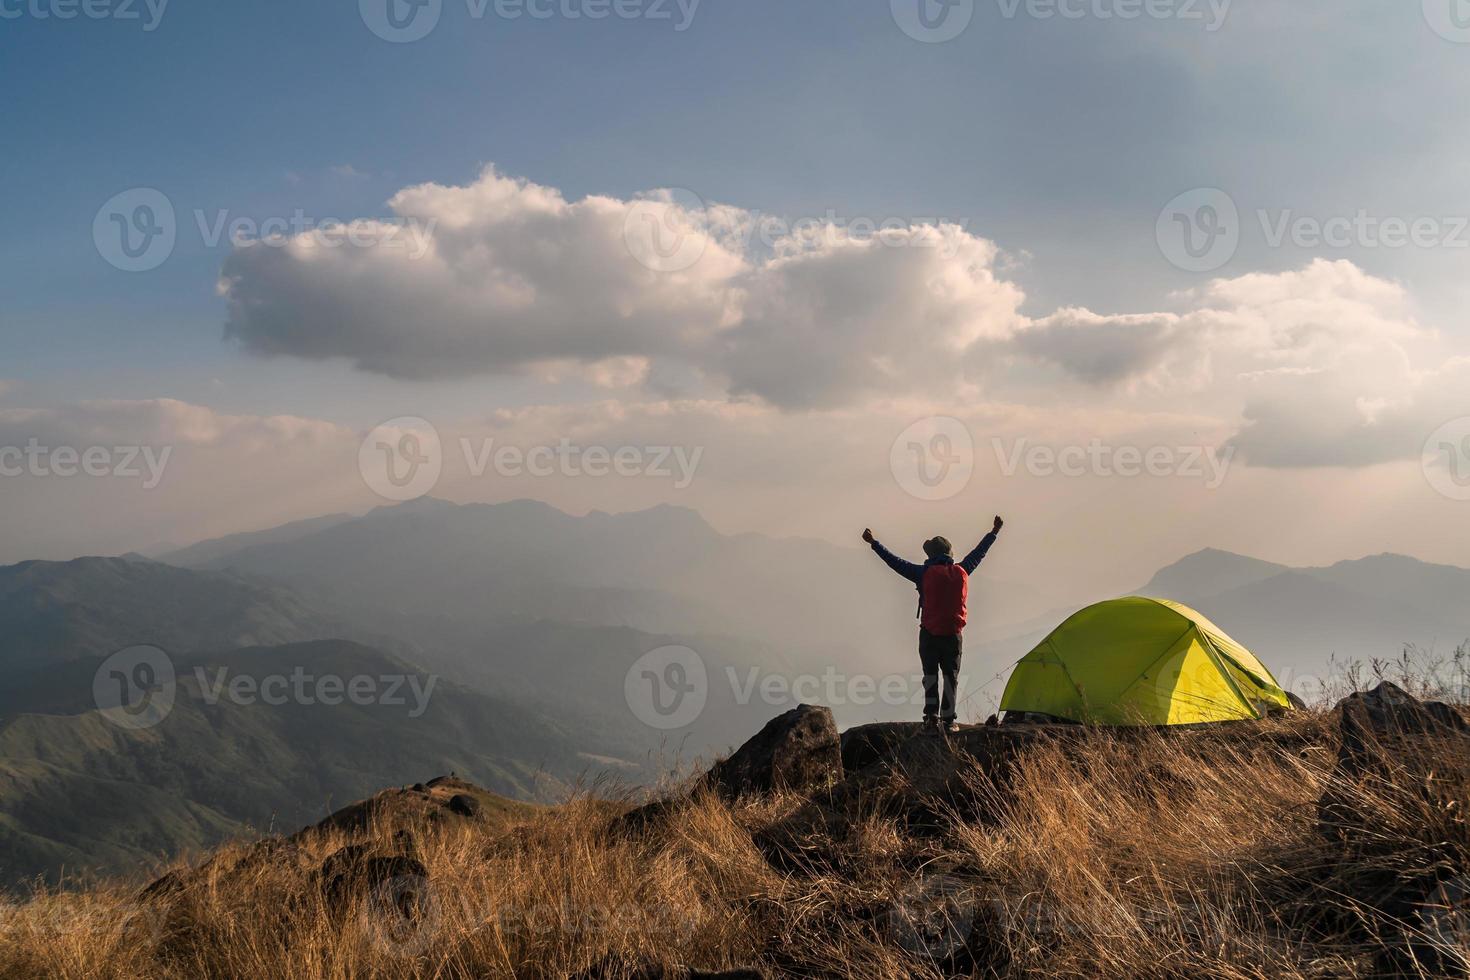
[{"x": 1118, "y": 857}]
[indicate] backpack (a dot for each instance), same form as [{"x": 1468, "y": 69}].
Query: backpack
[{"x": 943, "y": 592}]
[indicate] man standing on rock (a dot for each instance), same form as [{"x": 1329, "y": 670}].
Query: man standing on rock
[{"x": 944, "y": 587}]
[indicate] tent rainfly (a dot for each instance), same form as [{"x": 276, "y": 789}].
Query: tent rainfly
[{"x": 1140, "y": 661}]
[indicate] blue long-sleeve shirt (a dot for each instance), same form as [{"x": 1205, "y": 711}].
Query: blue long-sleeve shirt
[{"x": 915, "y": 573}]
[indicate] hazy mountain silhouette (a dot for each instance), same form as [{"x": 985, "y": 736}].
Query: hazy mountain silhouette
[
  {"x": 1296, "y": 618},
  {"x": 661, "y": 571},
  {"x": 202, "y": 553},
  {"x": 1304, "y": 623},
  {"x": 59, "y": 611},
  {"x": 570, "y": 669},
  {"x": 79, "y": 791},
  {"x": 666, "y": 572},
  {"x": 1209, "y": 572}
]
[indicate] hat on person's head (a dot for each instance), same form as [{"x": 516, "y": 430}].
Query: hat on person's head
[{"x": 937, "y": 546}]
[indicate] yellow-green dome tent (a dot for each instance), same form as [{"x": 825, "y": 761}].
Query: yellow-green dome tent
[{"x": 1139, "y": 661}]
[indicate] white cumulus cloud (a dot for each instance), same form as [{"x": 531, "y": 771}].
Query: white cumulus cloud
[{"x": 666, "y": 297}]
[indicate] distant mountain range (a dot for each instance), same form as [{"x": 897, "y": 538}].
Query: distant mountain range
[
  {"x": 78, "y": 792},
  {"x": 533, "y": 601},
  {"x": 90, "y": 607},
  {"x": 663, "y": 570},
  {"x": 529, "y": 621},
  {"x": 1304, "y": 623},
  {"x": 201, "y": 554},
  {"x": 1296, "y": 618}
]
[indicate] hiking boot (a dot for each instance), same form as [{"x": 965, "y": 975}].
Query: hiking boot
[
  {"x": 951, "y": 727},
  {"x": 931, "y": 726}
]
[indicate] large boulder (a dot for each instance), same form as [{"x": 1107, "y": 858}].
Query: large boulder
[
  {"x": 799, "y": 751},
  {"x": 922, "y": 780},
  {"x": 1392, "y": 809},
  {"x": 1385, "y": 717},
  {"x": 866, "y": 744},
  {"x": 1390, "y": 742},
  {"x": 925, "y": 780},
  {"x": 359, "y": 868},
  {"x": 346, "y": 877}
]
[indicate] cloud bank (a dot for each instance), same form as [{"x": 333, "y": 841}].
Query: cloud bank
[{"x": 665, "y": 295}]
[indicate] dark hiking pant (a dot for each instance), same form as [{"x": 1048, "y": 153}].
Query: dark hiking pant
[{"x": 940, "y": 655}]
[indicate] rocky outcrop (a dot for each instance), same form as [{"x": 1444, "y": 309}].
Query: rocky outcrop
[
  {"x": 1393, "y": 801},
  {"x": 443, "y": 798},
  {"x": 866, "y": 744},
  {"x": 920, "y": 777},
  {"x": 1390, "y": 742},
  {"x": 799, "y": 751},
  {"x": 1380, "y": 724},
  {"x": 927, "y": 779},
  {"x": 464, "y": 805},
  {"x": 353, "y": 876}
]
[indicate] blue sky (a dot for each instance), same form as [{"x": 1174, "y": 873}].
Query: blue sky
[{"x": 1059, "y": 139}]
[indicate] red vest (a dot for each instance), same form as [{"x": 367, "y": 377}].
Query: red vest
[{"x": 942, "y": 595}]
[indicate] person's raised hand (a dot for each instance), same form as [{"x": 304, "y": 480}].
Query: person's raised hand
[
  {"x": 998, "y": 524},
  {"x": 868, "y": 535}
]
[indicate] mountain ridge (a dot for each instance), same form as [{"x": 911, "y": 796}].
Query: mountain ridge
[{"x": 230, "y": 756}]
